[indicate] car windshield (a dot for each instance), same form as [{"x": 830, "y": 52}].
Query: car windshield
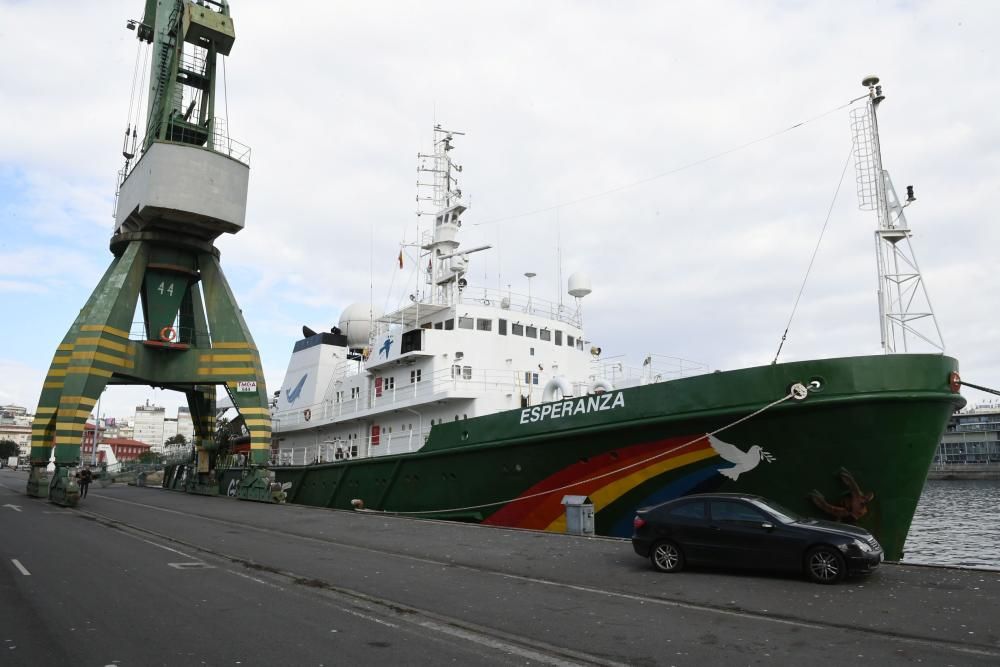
[{"x": 781, "y": 513}]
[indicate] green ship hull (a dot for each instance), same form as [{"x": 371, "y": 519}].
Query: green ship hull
[{"x": 857, "y": 448}]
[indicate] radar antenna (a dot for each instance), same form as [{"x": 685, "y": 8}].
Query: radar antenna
[
  {"x": 445, "y": 190},
  {"x": 905, "y": 312}
]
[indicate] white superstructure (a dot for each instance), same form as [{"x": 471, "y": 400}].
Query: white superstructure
[{"x": 376, "y": 384}]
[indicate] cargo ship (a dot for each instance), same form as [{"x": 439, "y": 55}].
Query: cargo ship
[{"x": 483, "y": 405}]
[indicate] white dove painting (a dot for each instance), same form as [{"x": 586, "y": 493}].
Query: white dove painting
[{"x": 744, "y": 461}]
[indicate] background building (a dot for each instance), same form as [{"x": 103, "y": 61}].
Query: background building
[
  {"x": 148, "y": 425},
  {"x": 972, "y": 437},
  {"x": 152, "y": 426},
  {"x": 15, "y": 424},
  {"x": 125, "y": 449}
]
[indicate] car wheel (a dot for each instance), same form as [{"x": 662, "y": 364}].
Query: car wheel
[
  {"x": 825, "y": 565},
  {"x": 666, "y": 556}
]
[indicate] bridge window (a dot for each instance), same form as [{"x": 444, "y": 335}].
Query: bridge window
[
  {"x": 502, "y": 327},
  {"x": 569, "y": 341},
  {"x": 558, "y": 337},
  {"x": 517, "y": 329},
  {"x": 439, "y": 325},
  {"x": 545, "y": 334},
  {"x": 465, "y": 323},
  {"x": 484, "y": 324},
  {"x": 415, "y": 376},
  {"x": 449, "y": 324},
  {"x": 531, "y": 332},
  {"x": 467, "y": 372}
]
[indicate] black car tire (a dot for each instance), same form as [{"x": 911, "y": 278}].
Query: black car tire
[
  {"x": 825, "y": 565},
  {"x": 666, "y": 556}
]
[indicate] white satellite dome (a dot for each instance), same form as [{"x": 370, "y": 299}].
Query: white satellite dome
[
  {"x": 579, "y": 284},
  {"x": 356, "y": 323}
]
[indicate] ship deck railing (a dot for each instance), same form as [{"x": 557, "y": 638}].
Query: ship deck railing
[
  {"x": 330, "y": 451},
  {"x": 463, "y": 382},
  {"x": 457, "y": 382},
  {"x": 412, "y": 315}
]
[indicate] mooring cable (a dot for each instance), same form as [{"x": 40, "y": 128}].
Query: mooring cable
[{"x": 797, "y": 391}]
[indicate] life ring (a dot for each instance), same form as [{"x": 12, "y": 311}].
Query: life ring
[
  {"x": 307, "y": 413},
  {"x": 557, "y": 388},
  {"x": 168, "y": 334},
  {"x": 600, "y": 386}
]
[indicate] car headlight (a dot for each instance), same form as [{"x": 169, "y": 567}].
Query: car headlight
[{"x": 862, "y": 545}]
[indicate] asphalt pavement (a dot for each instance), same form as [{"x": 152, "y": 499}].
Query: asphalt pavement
[{"x": 142, "y": 576}]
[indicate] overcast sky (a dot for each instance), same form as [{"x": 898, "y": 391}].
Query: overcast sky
[{"x": 560, "y": 102}]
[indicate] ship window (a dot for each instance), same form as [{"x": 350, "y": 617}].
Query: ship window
[
  {"x": 483, "y": 324},
  {"x": 425, "y": 325},
  {"x": 534, "y": 378},
  {"x": 355, "y": 392},
  {"x": 527, "y": 377},
  {"x": 545, "y": 334},
  {"x": 456, "y": 371},
  {"x": 449, "y": 324},
  {"x": 558, "y": 337},
  {"x": 531, "y": 351},
  {"x": 411, "y": 341},
  {"x": 465, "y": 323},
  {"x": 502, "y": 327},
  {"x": 389, "y": 383},
  {"x": 340, "y": 397},
  {"x": 569, "y": 341},
  {"x": 517, "y": 329},
  {"x": 439, "y": 325},
  {"x": 415, "y": 376},
  {"x": 579, "y": 343},
  {"x": 531, "y": 332},
  {"x": 467, "y": 372}
]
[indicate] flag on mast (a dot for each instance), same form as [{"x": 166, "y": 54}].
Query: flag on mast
[{"x": 400, "y": 259}]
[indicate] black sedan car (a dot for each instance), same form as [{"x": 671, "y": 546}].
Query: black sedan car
[{"x": 736, "y": 530}]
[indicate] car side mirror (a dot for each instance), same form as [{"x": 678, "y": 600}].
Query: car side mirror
[{"x": 767, "y": 526}]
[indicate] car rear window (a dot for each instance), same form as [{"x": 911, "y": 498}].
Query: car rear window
[
  {"x": 692, "y": 510},
  {"x": 727, "y": 510}
]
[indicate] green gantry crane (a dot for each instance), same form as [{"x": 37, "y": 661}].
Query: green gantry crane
[{"x": 184, "y": 183}]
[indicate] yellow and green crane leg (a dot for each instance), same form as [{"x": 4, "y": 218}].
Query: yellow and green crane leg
[
  {"x": 96, "y": 348},
  {"x": 235, "y": 358}
]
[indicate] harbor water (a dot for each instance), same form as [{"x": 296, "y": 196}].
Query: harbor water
[{"x": 957, "y": 523}]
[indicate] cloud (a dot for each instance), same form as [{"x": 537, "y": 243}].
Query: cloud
[{"x": 561, "y": 102}]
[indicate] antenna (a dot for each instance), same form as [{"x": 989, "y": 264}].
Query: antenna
[
  {"x": 529, "y": 275},
  {"x": 559, "y": 261},
  {"x": 904, "y": 307},
  {"x": 445, "y": 190}
]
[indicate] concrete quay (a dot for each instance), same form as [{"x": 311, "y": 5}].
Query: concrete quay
[{"x": 142, "y": 576}]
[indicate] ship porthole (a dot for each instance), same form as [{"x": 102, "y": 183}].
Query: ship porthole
[
  {"x": 816, "y": 384},
  {"x": 517, "y": 467},
  {"x": 465, "y": 435}
]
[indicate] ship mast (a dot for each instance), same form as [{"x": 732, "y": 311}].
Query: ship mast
[
  {"x": 905, "y": 312},
  {"x": 446, "y": 266}
]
